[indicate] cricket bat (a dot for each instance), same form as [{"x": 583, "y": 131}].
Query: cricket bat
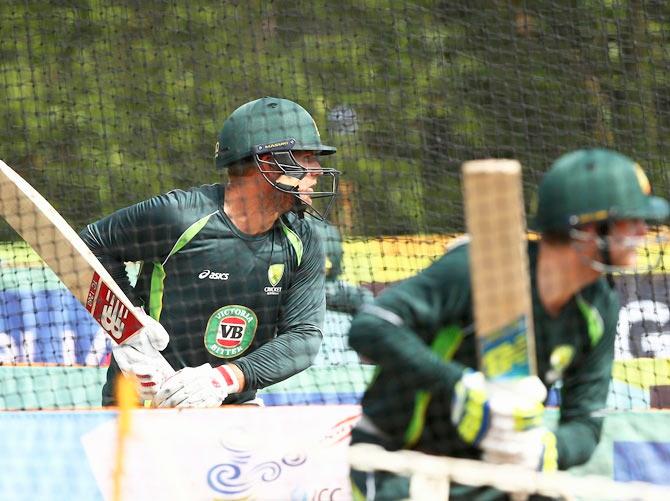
[
  {"x": 45, "y": 230},
  {"x": 502, "y": 304}
]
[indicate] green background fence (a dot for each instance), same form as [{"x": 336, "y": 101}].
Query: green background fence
[{"x": 103, "y": 103}]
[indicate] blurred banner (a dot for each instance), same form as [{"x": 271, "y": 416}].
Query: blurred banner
[
  {"x": 49, "y": 325},
  {"x": 244, "y": 452},
  {"x": 52, "y": 353}
]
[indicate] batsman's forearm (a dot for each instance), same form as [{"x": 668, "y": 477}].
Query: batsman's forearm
[
  {"x": 115, "y": 266},
  {"x": 284, "y": 356},
  {"x": 576, "y": 440},
  {"x": 398, "y": 349}
]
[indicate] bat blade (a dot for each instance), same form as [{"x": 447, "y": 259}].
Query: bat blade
[
  {"x": 45, "y": 230},
  {"x": 496, "y": 223}
]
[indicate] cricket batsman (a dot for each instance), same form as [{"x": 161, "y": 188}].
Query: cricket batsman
[
  {"x": 427, "y": 394},
  {"x": 232, "y": 271}
]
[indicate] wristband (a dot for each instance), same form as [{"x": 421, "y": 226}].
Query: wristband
[{"x": 229, "y": 377}]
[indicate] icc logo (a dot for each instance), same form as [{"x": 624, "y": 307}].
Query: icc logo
[{"x": 231, "y": 330}]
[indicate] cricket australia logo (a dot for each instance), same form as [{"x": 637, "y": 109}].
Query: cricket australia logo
[
  {"x": 275, "y": 273},
  {"x": 560, "y": 359},
  {"x": 230, "y": 331}
]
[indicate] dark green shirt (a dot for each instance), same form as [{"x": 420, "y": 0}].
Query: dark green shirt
[
  {"x": 420, "y": 335},
  {"x": 222, "y": 295}
]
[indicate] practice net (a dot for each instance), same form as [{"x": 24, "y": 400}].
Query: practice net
[{"x": 105, "y": 104}]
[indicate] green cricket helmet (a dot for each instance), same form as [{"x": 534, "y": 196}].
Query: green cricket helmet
[
  {"x": 595, "y": 185},
  {"x": 269, "y": 130}
]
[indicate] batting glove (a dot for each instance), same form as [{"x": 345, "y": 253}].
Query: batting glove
[
  {"x": 203, "y": 386},
  {"x": 480, "y": 407},
  {"x": 470, "y": 408},
  {"x": 140, "y": 359},
  {"x": 534, "y": 449}
]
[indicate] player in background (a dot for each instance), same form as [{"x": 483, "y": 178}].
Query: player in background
[
  {"x": 232, "y": 272},
  {"x": 343, "y": 299},
  {"x": 341, "y": 296},
  {"x": 427, "y": 395}
]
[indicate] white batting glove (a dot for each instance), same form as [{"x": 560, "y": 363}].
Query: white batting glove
[
  {"x": 516, "y": 405},
  {"x": 203, "y": 386},
  {"x": 480, "y": 407},
  {"x": 534, "y": 449},
  {"x": 140, "y": 359}
]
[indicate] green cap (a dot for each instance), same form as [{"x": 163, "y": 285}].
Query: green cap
[
  {"x": 594, "y": 185},
  {"x": 264, "y": 125}
]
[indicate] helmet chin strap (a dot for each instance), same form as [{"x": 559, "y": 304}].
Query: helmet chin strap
[
  {"x": 290, "y": 184},
  {"x": 604, "y": 266},
  {"x": 602, "y": 241},
  {"x": 603, "y": 244},
  {"x": 285, "y": 164}
]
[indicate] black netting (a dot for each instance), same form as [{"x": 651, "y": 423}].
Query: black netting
[{"x": 104, "y": 104}]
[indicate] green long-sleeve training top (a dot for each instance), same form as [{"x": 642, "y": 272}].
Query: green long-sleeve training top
[
  {"x": 222, "y": 295},
  {"x": 419, "y": 333}
]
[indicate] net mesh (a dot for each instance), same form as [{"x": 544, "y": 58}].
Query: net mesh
[{"x": 106, "y": 104}]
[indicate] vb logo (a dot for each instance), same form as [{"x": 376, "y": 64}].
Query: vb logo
[{"x": 231, "y": 330}]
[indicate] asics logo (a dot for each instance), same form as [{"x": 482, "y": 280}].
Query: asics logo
[{"x": 213, "y": 275}]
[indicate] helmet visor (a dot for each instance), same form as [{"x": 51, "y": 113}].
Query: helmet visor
[{"x": 314, "y": 193}]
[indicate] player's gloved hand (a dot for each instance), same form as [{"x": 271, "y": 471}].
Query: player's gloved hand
[
  {"x": 534, "y": 449},
  {"x": 480, "y": 407},
  {"x": 470, "y": 408},
  {"x": 203, "y": 386},
  {"x": 140, "y": 359}
]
